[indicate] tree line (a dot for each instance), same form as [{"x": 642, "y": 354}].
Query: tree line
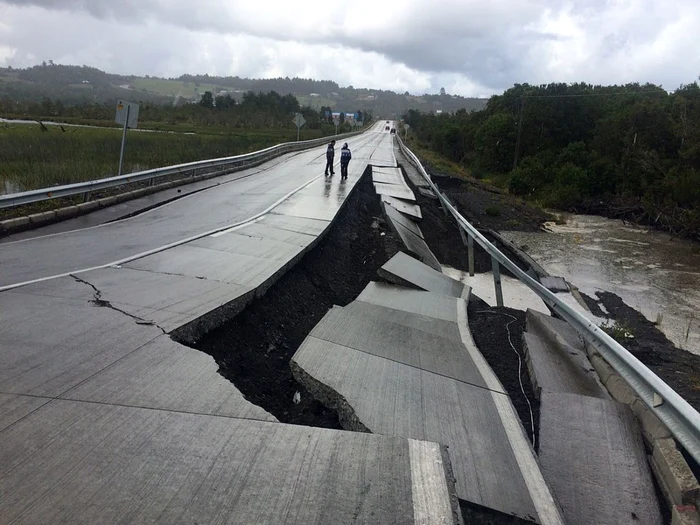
[
  {"x": 629, "y": 151},
  {"x": 252, "y": 111}
]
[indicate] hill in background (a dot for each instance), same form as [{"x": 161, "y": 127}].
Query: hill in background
[{"x": 79, "y": 84}]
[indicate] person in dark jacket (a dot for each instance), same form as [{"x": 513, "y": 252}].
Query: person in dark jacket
[
  {"x": 330, "y": 155},
  {"x": 345, "y": 157}
]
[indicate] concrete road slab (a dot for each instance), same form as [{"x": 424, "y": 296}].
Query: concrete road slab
[
  {"x": 214, "y": 265},
  {"x": 552, "y": 330},
  {"x": 593, "y": 457},
  {"x": 388, "y": 176},
  {"x": 404, "y": 270},
  {"x": 555, "y": 284},
  {"x": 268, "y": 249},
  {"x": 265, "y": 231},
  {"x": 313, "y": 227},
  {"x": 85, "y": 463},
  {"x": 405, "y": 207},
  {"x": 390, "y": 398},
  {"x": 383, "y": 157},
  {"x": 394, "y": 190},
  {"x": 557, "y": 369},
  {"x": 398, "y": 342},
  {"x": 13, "y": 408},
  {"x": 424, "y": 323},
  {"x": 51, "y": 344},
  {"x": 166, "y": 375},
  {"x": 415, "y": 244},
  {"x": 410, "y": 300},
  {"x": 402, "y": 219},
  {"x": 304, "y": 208}
]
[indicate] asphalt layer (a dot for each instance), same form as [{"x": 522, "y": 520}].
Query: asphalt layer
[{"x": 253, "y": 349}]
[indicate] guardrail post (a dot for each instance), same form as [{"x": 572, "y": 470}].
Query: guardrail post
[
  {"x": 468, "y": 241},
  {"x": 86, "y": 196},
  {"x": 470, "y": 254},
  {"x": 497, "y": 281}
]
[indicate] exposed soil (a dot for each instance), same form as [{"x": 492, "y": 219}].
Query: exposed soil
[
  {"x": 494, "y": 329},
  {"x": 678, "y": 368},
  {"x": 442, "y": 233},
  {"x": 472, "y": 513},
  {"x": 254, "y": 349},
  {"x": 491, "y": 209}
]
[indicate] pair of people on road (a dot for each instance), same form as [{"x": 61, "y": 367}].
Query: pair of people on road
[{"x": 345, "y": 157}]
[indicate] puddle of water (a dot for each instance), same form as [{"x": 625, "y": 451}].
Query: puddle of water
[{"x": 652, "y": 272}]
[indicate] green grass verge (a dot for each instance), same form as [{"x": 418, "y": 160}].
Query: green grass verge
[{"x": 33, "y": 159}]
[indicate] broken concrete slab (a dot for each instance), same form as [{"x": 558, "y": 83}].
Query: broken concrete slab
[
  {"x": 266, "y": 231},
  {"x": 398, "y": 217},
  {"x": 74, "y": 462},
  {"x": 593, "y": 457},
  {"x": 555, "y": 284},
  {"x": 398, "y": 342},
  {"x": 560, "y": 369},
  {"x": 404, "y": 270},
  {"x": 83, "y": 339},
  {"x": 555, "y": 331},
  {"x": 410, "y": 300},
  {"x": 166, "y": 375},
  {"x": 382, "y": 396},
  {"x": 394, "y": 190},
  {"x": 424, "y": 323},
  {"x": 408, "y": 208},
  {"x": 413, "y": 242},
  {"x": 427, "y": 192},
  {"x": 233, "y": 242},
  {"x": 388, "y": 176}
]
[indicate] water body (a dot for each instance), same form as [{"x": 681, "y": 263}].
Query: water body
[{"x": 652, "y": 272}]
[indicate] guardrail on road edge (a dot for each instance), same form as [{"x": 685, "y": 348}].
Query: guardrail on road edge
[
  {"x": 85, "y": 188},
  {"x": 682, "y": 420}
]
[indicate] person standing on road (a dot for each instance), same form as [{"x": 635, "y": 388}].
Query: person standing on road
[
  {"x": 330, "y": 155},
  {"x": 345, "y": 157}
]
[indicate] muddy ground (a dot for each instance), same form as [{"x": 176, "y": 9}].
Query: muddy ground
[
  {"x": 253, "y": 350},
  {"x": 678, "y": 368}
]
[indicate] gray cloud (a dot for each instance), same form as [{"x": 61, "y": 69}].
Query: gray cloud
[{"x": 481, "y": 46}]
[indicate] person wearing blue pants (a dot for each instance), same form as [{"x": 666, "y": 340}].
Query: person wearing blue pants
[
  {"x": 345, "y": 157},
  {"x": 330, "y": 155}
]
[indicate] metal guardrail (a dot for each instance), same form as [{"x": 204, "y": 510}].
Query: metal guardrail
[
  {"x": 682, "y": 420},
  {"x": 85, "y": 188}
]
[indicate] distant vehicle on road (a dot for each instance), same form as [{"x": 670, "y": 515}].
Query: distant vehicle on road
[
  {"x": 387, "y": 121},
  {"x": 386, "y": 128},
  {"x": 393, "y": 130}
]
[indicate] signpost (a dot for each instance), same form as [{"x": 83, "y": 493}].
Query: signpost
[
  {"x": 337, "y": 123},
  {"x": 299, "y": 121},
  {"x": 128, "y": 116},
  {"x": 405, "y": 127}
]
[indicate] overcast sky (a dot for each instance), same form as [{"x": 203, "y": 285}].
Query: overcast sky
[{"x": 471, "y": 47}]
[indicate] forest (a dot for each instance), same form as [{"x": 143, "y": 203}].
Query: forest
[{"x": 630, "y": 152}]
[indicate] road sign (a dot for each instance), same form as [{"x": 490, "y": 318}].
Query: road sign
[
  {"x": 299, "y": 121},
  {"x": 336, "y": 121},
  {"x": 127, "y": 110}
]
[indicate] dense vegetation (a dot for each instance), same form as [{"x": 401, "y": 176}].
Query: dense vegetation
[
  {"x": 80, "y": 85},
  {"x": 624, "y": 151}
]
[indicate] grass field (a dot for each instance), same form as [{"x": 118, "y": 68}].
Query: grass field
[{"x": 32, "y": 159}]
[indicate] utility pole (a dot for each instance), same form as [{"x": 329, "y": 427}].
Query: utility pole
[{"x": 520, "y": 132}]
